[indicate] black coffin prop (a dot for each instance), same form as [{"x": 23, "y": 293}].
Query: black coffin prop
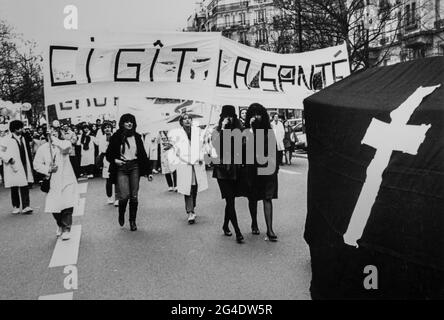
[{"x": 404, "y": 234}]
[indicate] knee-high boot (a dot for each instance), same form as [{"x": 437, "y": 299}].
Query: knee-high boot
[
  {"x": 133, "y": 214},
  {"x": 122, "y": 209}
]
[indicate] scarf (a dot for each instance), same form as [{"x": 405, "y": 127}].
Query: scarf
[
  {"x": 188, "y": 132},
  {"x": 125, "y": 135},
  {"x": 85, "y": 141}
]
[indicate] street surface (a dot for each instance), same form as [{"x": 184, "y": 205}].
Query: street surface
[{"x": 166, "y": 258}]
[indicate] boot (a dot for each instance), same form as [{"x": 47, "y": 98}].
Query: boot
[
  {"x": 122, "y": 209},
  {"x": 133, "y": 215}
]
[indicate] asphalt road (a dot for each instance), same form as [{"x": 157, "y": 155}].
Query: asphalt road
[{"x": 166, "y": 258}]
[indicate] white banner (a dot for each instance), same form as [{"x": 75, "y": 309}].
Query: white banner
[{"x": 191, "y": 66}]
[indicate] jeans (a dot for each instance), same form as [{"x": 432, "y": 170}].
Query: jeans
[
  {"x": 15, "y": 197},
  {"x": 190, "y": 201},
  {"x": 127, "y": 186},
  {"x": 64, "y": 219}
]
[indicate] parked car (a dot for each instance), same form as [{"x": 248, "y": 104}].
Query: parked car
[{"x": 300, "y": 134}]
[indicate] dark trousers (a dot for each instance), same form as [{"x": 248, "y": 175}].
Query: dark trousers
[
  {"x": 64, "y": 219},
  {"x": 75, "y": 165},
  {"x": 88, "y": 169},
  {"x": 171, "y": 179},
  {"x": 109, "y": 188},
  {"x": 15, "y": 196},
  {"x": 280, "y": 154},
  {"x": 190, "y": 201}
]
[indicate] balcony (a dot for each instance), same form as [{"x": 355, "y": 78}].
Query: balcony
[
  {"x": 230, "y": 7},
  {"x": 233, "y": 25},
  {"x": 259, "y": 21}
]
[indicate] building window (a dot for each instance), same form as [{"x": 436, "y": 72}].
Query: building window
[
  {"x": 242, "y": 18},
  {"x": 262, "y": 36},
  {"x": 410, "y": 14},
  {"x": 260, "y": 15}
]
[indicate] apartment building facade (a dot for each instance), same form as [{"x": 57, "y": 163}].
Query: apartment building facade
[
  {"x": 415, "y": 31},
  {"x": 248, "y": 22}
]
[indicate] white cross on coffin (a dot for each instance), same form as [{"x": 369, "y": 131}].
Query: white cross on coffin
[{"x": 386, "y": 138}]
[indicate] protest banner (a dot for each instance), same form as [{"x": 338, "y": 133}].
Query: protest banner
[{"x": 191, "y": 66}]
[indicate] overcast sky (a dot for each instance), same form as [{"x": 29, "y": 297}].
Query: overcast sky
[{"x": 39, "y": 19}]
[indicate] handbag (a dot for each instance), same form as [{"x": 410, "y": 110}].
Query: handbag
[{"x": 45, "y": 184}]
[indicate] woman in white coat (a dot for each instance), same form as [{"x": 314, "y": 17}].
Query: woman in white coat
[
  {"x": 103, "y": 142},
  {"x": 191, "y": 174},
  {"x": 52, "y": 159},
  {"x": 87, "y": 142}
]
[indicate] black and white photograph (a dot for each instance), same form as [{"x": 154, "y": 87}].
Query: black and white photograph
[{"x": 221, "y": 155}]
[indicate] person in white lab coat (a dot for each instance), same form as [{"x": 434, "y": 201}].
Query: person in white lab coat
[
  {"x": 18, "y": 168},
  {"x": 52, "y": 160},
  {"x": 279, "y": 133},
  {"x": 191, "y": 174},
  {"x": 87, "y": 158},
  {"x": 103, "y": 142}
]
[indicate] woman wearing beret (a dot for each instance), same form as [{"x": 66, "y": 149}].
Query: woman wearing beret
[{"x": 128, "y": 162}]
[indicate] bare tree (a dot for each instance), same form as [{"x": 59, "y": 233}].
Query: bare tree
[
  {"x": 359, "y": 23},
  {"x": 21, "y": 78}
]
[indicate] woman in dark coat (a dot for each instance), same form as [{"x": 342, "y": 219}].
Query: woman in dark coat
[
  {"x": 128, "y": 162},
  {"x": 228, "y": 174},
  {"x": 260, "y": 186}
]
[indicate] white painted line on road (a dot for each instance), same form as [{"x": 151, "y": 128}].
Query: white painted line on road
[
  {"x": 79, "y": 210},
  {"x": 289, "y": 172},
  {"x": 82, "y": 187},
  {"x": 60, "y": 296},
  {"x": 66, "y": 252}
]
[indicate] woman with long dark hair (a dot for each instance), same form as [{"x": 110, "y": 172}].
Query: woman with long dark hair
[
  {"x": 87, "y": 155},
  {"x": 103, "y": 141},
  {"x": 128, "y": 162},
  {"x": 260, "y": 186},
  {"x": 228, "y": 173}
]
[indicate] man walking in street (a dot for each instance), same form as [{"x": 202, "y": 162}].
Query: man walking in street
[
  {"x": 279, "y": 133},
  {"x": 18, "y": 168}
]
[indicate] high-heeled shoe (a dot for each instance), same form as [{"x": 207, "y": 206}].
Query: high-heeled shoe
[
  {"x": 227, "y": 232},
  {"x": 271, "y": 237},
  {"x": 133, "y": 226},
  {"x": 239, "y": 238},
  {"x": 255, "y": 230}
]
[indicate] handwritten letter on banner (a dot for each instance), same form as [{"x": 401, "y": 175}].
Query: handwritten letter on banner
[{"x": 192, "y": 66}]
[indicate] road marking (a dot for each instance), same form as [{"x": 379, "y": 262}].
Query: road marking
[
  {"x": 60, "y": 296},
  {"x": 79, "y": 210},
  {"x": 289, "y": 172},
  {"x": 66, "y": 252},
  {"x": 82, "y": 187}
]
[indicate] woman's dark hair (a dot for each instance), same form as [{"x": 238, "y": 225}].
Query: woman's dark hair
[
  {"x": 106, "y": 124},
  {"x": 236, "y": 124},
  {"x": 15, "y": 125},
  {"x": 127, "y": 117},
  {"x": 258, "y": 109},
  {"x": 86, "y": 126}
]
